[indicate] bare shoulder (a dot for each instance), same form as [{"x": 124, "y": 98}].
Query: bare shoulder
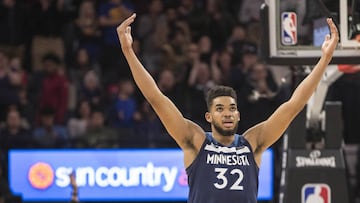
[
  {"x": 252, "y": 135},
  {"x": 194, "y": 142},
  {"x": 196, "y": 135}
]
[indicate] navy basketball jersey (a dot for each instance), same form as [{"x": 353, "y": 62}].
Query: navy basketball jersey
[{"x": 222, "y": 174}]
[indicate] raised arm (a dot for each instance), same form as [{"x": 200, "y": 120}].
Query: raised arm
[
  {"x": 266, "y": 133},
  {"x": 181, "y": 129}
]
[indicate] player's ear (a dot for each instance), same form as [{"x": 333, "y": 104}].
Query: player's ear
[{"x": 208, "y": 117}]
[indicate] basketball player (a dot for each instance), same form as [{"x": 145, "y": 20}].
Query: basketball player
[{"x": 221, "y": 165}]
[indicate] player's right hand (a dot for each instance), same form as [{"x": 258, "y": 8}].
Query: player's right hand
[{"x": 124, "y": 32}]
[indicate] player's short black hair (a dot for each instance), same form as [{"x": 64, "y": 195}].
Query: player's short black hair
[{"x": 218, "y": 91}]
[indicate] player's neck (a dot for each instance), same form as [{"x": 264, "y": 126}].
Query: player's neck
[{"x": 224, "y": 140}]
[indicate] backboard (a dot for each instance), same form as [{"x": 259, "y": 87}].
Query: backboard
[{"x": 294, "y": 31}]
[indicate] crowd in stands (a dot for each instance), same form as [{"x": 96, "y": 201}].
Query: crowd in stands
[{"x": 65, "y": 83}]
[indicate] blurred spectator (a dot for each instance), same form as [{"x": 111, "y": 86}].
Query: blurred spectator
[
  {"x": 50, "y": 135},
  {"x": 111, "y": 14},
  {"x": 147, "y": 130},
  {"x": 254, "y": 33},
  {"x": 262, "y": 81},
  {"x": 14, "y": 135},
  {"x": 13, "y": 26},
  {"x": 112, "y": 61},
  {"x": 84, "y": 32},
  {"x": 221, "y": 66},
  {"x": 259, "y": 96},
  {"x": 205, "y": 48},
  {"x": 91, "y": 89},
  {"x": 9, "y": 83},
  {"x": 168, "y": 85},
  {"x": 192, "y": 59},
  {"x": 16, "y": 67},
  {"x": 174, "y": 48},
  {"x": 81, "y": 65},
  {"x": 236, "y": 42},
  {"x": 26, "y": 109},
  {"x": 54, "y": 89},
  {"x": 220, "y": 23},
  {"x": 179, "y": 37},
  {"x": 47, "y": 19},
  {"x": 186, "y": 7},
  {"x": 200, "y": 77},
  {"x": 78, "y": 123},
  {"x": 193, "y": 13},
  {"x": 152, "y": 32},
  {"x": 249, "y": 57},
  {"x": 168, "y": 59},
  {"x": 199, "y": 82},
  {"x": 98, "y": 135},
  {"x": 249, "y": 11},
  {"x": 125, "y": 106},
  {"x": 177, "y": 93}
]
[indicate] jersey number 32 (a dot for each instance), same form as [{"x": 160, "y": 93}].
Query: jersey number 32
[{"x": 223, "y": 181}]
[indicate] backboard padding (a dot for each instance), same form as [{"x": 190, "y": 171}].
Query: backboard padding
[{"x": 304, "y": 52}]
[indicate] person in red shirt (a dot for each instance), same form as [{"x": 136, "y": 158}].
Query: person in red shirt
[{"x": 54, "y": 89}]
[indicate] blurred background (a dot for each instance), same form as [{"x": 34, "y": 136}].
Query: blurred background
[{"x": 64, "y": 83}]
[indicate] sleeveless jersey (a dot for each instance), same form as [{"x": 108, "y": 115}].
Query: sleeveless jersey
[{"x": 222, "y": 174}]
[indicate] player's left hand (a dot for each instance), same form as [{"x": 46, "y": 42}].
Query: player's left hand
[{"x": 330, "y": 41}]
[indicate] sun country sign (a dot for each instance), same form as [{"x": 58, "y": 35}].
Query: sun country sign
[{"x": 109, "y": 175}]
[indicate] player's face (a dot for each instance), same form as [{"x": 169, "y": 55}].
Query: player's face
[{"x": 224, "y": 115}]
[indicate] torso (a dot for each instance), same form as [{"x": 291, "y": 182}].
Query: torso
[{"x": 223, "y": 173}]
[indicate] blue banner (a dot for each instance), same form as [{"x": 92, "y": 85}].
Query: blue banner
[{"x": 110, "y": 175}]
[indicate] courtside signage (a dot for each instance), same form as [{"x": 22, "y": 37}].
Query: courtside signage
[{"x": 108, "y": 175}]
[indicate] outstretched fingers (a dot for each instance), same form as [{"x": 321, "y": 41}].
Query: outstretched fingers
[
  {"x": 331, "y": 40},
  {"x": 123, "y": 27},
  {"x": 333, "y": 29}
]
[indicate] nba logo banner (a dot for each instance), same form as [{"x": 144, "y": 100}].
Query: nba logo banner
[
  {"x": 288, "y": 28},
  {"x": 316, "y": 193}
]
